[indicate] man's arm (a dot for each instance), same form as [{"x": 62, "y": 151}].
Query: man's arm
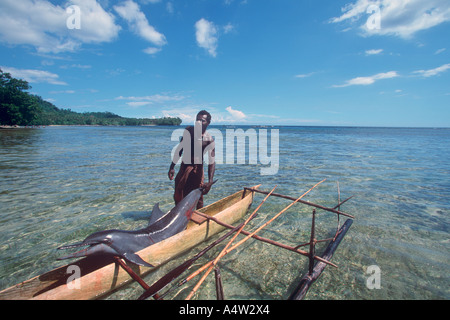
[
  {"x": 211, "y": 164},
  {"x": 176, "y": 156},
  {"x": 171, "y": 172}
]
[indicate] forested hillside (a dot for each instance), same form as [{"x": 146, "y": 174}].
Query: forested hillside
[{"x": 18, "y": 107}]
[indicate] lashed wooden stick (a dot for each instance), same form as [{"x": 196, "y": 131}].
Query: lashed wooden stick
[
  {"x": 219, "y": 286},
  {"x": 133, "y": 275},
  {"x": 211, "y": 264},
  {"x": 307, "y": 280},
  {"x": 222, "y": 253},
  {"x": 323, "y": 240}
]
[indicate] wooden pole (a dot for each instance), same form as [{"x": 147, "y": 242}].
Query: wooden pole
[
  {"x": 318, "y": 206},
  {"x": 219, "y": 287},
  {"x": 337, "y": 229},
  {"x": 312, "y": 242},
  {"x": 341, "y": 203},
  {"x": 307, "y": 280},
  {"x": 338, "y": 206},
  {"x": 133, "y": 275}
]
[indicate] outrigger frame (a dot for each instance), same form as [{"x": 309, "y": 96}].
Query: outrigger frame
[{"x": 316, "y": 264}]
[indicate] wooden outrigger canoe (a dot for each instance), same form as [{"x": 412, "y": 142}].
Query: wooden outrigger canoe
[{"x": 98, "y": 277}]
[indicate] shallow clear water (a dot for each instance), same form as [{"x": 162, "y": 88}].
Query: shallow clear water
[{"x": 59, "y": 184}]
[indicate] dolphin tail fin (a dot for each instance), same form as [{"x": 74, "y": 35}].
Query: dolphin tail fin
[
  {"x": 209, "y": 184},
  {"x": 133, "y": 257}
]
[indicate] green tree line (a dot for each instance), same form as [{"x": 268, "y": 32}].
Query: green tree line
[{"x": 18, "y": 107}]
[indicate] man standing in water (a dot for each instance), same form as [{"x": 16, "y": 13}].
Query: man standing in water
[{"x": 194, "y": 144}]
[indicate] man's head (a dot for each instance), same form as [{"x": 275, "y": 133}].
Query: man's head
[
  {"x": 204, "y": 113},
  {"x": 205, "y": 118}
]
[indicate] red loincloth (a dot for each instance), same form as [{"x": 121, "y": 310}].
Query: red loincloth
[{"x": 189, "y": 177}]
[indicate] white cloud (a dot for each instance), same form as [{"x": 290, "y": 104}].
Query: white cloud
[
  {"x": 305, "y": 75},
  {"x": 137, "y": 21},
  {"x": 373, "y": 51},
  {"x": 78, "y": 66},
  {"x": 97, "y": 25},
  {"x": 206, "y": 36},
  {"x": 236, "y": 114},
  {"x": 368, "y": 80},
  {"x": 157, "y": 102},
  {"x": 401, "y": 18},
  {"x": 149, "y": 1},
  {"x": 156, "y": 98},
  {"x": 34, "y": 76},
  {"x": 187, "y": 113},
  {"x": 352, "y": 11},
  {"x": 186, "y": 118},
  {"x": 169, "y": 7},
  {"x": 229, "y": 2},
  {"x": 138, "y": 103},
  {"x": 152, "y": 50},
  {"x": 439, "y": 51},
  {"x": 433, "y": 72},
  {"x": 41, "y": 24},
  {"x": 228, "y": 28},
  {"x": 63, "y": 91}
]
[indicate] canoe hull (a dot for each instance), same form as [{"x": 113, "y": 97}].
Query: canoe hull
[{"x": 90, "y": 278}]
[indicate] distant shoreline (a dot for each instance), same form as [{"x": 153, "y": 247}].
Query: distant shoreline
[
  {"x": 100, "y": 125},
  {"x": 19, "y": 127},
  {"x": 71, "y": 125}
]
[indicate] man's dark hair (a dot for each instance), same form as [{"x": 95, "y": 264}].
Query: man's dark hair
[{"x": 204, "y": 112}]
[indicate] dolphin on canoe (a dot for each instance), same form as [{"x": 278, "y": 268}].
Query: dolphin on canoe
[{"x": 125, "y": 243}]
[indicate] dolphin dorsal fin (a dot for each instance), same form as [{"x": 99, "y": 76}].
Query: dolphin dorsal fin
[{"x": 156, "y": 214}]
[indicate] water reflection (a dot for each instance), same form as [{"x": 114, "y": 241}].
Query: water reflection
[{"x": 12, "y": 138}]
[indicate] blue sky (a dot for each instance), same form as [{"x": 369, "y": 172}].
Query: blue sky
[{"x": 284, "y": 62}]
